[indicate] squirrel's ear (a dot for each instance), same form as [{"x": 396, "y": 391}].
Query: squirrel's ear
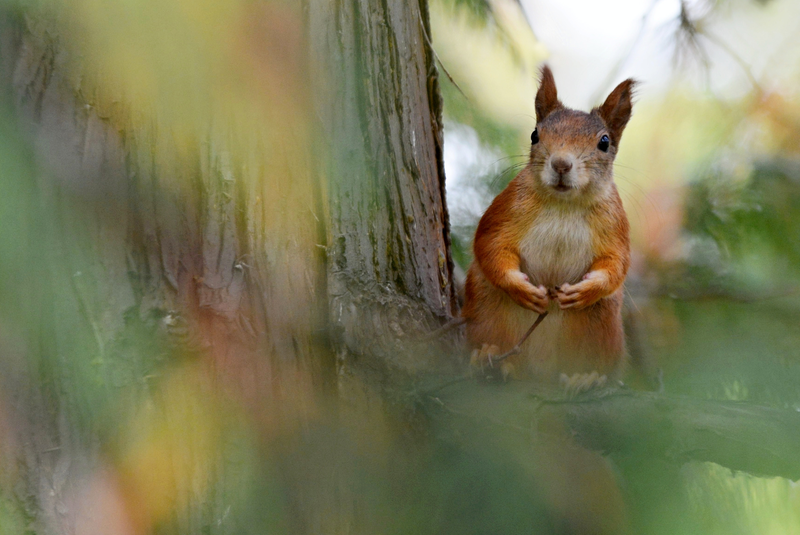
[
  {"x": 616, "y": 110},
  {"x": 547, "y": 96}
]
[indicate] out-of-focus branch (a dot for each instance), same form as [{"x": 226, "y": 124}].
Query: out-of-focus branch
[
  {"x": 689, "y": 33},
  {"x": 603, "y": 88},
  {"x": 709, "y": 294},
  {"x": 738, "y": 435},
  {"x": 736, "y": 57}
]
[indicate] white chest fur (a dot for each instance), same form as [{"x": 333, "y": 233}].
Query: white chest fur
[{"x": 558, "y": 247}]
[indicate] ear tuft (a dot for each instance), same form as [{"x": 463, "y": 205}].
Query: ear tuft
[
  {"x": 547, "y": 96},
  {"x": 617, "y": 109}
]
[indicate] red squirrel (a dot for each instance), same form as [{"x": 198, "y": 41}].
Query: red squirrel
[{"x": 556, "y": 240}]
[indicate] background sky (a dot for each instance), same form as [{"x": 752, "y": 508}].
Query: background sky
[{"x": 586, "y": 40}]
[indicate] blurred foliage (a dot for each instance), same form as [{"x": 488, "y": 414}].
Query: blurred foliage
[
  {"x": 755, "y": 224},
  {"x": 491, "y": 16},
  {"x": 742, "y": 504},
  {"x": 479, "y": 10},
  {"x": 186, "y": 454},
  {"x": 12, "y": 519},
  {"x": 722, "y": 318}
]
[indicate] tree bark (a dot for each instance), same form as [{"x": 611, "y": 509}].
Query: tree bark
[{"x": 389, "y": 265}]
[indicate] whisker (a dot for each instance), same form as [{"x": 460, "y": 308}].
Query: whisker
[
  {"x": 511, "y": 168},
  {"x": 641, "y": 213},
  {"x": 637, "y": 199},
  {"x": 627, "y": 167},
  {"x": 510, "y": 157},
  {"x": 631, "y": 299},
  {"x": 633, "y": 200},
  {"x": 656, "y": 209},
  {"x": 525, "y": 115},
  {"x": 643, "y": 175}
]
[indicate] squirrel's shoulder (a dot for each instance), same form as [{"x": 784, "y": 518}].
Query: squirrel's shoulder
[{"x": 517, "y": 203}]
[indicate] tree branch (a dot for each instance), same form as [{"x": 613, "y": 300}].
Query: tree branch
[{"x": 738, "y": 435}]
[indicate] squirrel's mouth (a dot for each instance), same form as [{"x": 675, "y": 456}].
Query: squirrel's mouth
[{"x": 562, "y": 187}]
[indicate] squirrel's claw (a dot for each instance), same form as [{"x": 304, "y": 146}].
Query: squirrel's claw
[
  {"x": 578, "y": 383},
  {"x": 482, "y": 358},
  {"x": 485, "y": 368}
]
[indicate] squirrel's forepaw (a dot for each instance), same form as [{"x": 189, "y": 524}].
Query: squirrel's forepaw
[
  {"x": 518, "y": 286},
  {"x": 578, "y": 383},
  {"x": 484, "y": 368},
  {"x": 583, "y": 294}
]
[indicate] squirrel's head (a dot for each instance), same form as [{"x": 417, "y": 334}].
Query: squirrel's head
[{"x": 572, "y": 152}]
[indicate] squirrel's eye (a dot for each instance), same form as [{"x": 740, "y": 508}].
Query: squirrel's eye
[
  {"x": 535, "y": 136},
  {"x": 604, "y": 143}
]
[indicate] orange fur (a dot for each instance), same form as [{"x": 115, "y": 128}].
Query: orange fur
[{"x": 556, "y": 239}]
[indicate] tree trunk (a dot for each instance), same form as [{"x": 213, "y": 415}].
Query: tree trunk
[{"x": 389, "y": 264}]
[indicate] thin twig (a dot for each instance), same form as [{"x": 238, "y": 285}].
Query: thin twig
[
  {"x": 711, "y": 294},
  {"x": 626, "y": 56},
  {"x": 85, "y": 310},
  {"x": 452, "y": 324},
  {"x": 492, "y": 360},
  {"x": 517, "y": 348},
  {"x": 736, "y": 57},
  {"x": 456, "y": 380},
  {"x": 435, "y": 55}
]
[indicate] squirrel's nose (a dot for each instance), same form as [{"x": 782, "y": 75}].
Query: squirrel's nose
[{"x": 560, "y": 165}]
